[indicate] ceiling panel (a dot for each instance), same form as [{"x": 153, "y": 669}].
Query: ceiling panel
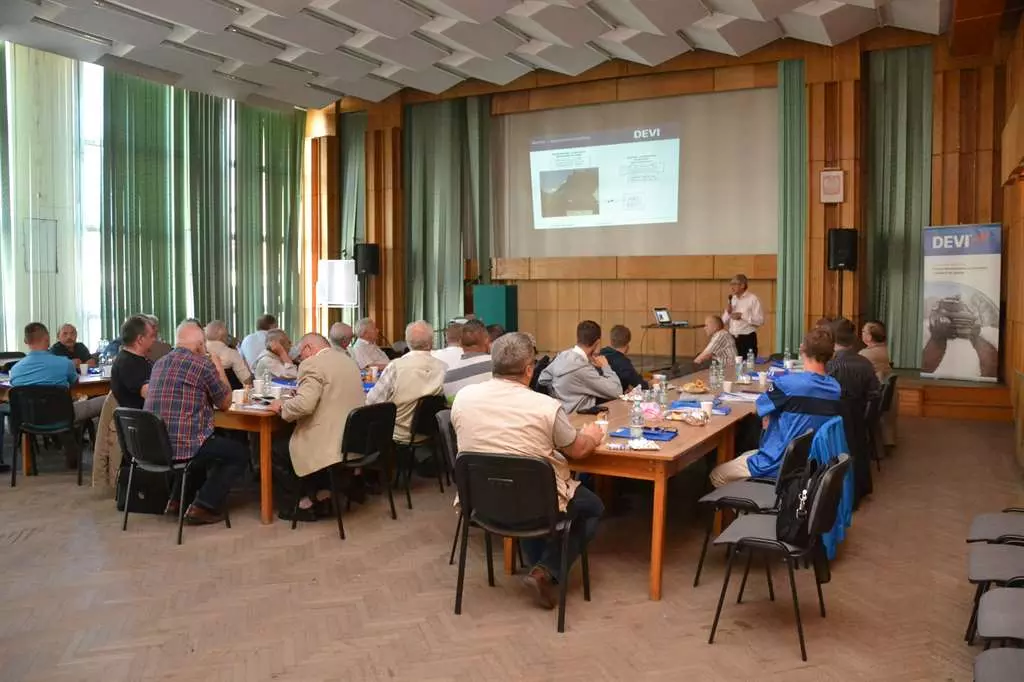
[{"x": 272, "y": 51}]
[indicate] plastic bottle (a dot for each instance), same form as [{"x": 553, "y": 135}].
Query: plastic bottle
[
  {"x": 636, "y": 421},
  {"x": 751, "y": 360},
  {"x": 786, "y": 355}
]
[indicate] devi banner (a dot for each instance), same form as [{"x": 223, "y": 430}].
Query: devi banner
[{"x": 961, "y": 302}]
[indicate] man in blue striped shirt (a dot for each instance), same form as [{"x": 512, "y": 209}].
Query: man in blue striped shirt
[{"x": 797, "y": 402}]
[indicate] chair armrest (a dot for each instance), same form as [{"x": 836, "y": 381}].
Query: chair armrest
[
  {"x": 1016, "y": 581},
  {"x": 758, "y": 479},
  {"x": 1014, "y": 510},
  {"x": 1010, "y": 540},
  {"x": 764, "y": 543}
]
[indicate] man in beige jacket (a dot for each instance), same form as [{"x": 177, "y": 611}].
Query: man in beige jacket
[{"x": 329, "y": 387}]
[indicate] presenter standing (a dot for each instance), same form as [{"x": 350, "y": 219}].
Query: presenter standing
[{"x": 743, "y": 315}]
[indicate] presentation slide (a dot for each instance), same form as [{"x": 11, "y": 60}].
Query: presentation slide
[{"x": 621, "y": 177}]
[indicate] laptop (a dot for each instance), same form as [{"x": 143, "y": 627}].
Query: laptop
[{"x": 663, "y": 318}]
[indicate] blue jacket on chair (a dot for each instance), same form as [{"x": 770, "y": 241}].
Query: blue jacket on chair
[{"x": 830, "y": 441}]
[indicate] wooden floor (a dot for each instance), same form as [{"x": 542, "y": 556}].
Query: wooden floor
[{"x": 80, "y": 600}]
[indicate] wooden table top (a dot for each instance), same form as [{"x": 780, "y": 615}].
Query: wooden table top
[{"x": 91, "y": 380}]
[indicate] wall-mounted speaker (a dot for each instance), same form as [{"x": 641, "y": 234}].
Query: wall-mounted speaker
[
  {"x": 367, "y": 259},
  {"x": 842, "y": 249}
]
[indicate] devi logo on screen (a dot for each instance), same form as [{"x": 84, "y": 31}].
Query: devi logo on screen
[
  {"x": 962, "y": 241},
  {"x": 646, "y": 133}
]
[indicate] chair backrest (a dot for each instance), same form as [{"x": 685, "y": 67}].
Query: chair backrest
[
  {"x": 7, "y": 365},
  {"x": 45, "y": 408},
  {"x": 872, "y": 409},
  {"x": 509, "y": 491},
  {"x": 449, "y": 441},
  {"x": 11, "y": 355},
  {"x": 541, "y": 365},
  {"x": 368, "y": 429},
  {"x": 794, "y": 457},
  {"x": 143, "y": 437},
  {"x": 888, "y": 393},
  {"x": 825, "y": 506},
  {"x": 233, "y": 379},
  {"x": 424, "y": 418}
]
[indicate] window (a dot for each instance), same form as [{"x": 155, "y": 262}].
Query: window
[{"x": 90, "y": 199}]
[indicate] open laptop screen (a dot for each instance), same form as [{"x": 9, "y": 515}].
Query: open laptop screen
[{"x": 661, "y": 316}]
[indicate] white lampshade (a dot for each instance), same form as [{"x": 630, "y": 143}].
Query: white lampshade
[{"x": 337, "y": 286}]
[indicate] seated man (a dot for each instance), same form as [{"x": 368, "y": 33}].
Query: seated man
[
  {"x": 185, "y": 387},
  {"x": 40, "y": 367},
  {"x": 129, "y": 375},
  {"x": 407, "y": 379},
  {"x": 617, "y": 355},
  {"x": 504, "y": 416},
  {"x": 230, "y": 359},
  {"x": 159, "y": 348},
  {"x": 67, "y": 346},
  {"x": 340, "y": 336},
  {"x": 495, "y": 331},
  {"x": 473, "y": 365},
  {"x": 579, "y": 377},
  {"x": 453, "y": 345},
  {"x": 721, "y": 344},
  {"x": 329, "y": 388},
  {"x": 275, "y": 359},
  {"x": 365, "y": 351},
  {"x": 796, "y": 402},
  {"x": 255, "y": 343}
]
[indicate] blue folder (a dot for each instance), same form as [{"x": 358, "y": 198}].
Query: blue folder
[
  {"x": 695, "y": 404},
  {"x": 649, "y": 434}
]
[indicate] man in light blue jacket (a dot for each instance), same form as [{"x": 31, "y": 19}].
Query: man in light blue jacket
[{"x": 580, "y": 377}]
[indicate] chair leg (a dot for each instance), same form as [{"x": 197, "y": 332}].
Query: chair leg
[
  {"x": 563, "y": 584},
  {"x": 585, "y": 566},
  {"x": 33, "y": 448},
  {"x": 721, "y": 598},
  {"x": 796, "y": 609},
  {"x": 437, "y": 465},
  {"x": 817, "y": 584},
  {"x": 974, "y": 612},
  {"x": 768, "y": 575},
  {"x": 455, "y": 540},
  {"x": 295, "y": 508},
  {"x": 746, "y": 572},
  {"x": 128, "y": 496},
  {"x": 408, "y": 475},
  {"x": 704, "y": 548},
  {"x": 15, "y": 445},
  {"x": 388, "y": 462},
  {"x": 519, "y": 553},
  {"x": 335, "y": 503},
  {"x": 490, "y": 558},
  {"x": 181, "y": 503},
  {"x": 462, "y": 564}
]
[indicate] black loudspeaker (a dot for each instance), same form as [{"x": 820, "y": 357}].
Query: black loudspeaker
[
  {"x": 842, "y": 249},
  {"x": 367, "y": 259}
]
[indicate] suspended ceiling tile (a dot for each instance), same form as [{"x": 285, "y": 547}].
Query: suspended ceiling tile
[
  {"x": 18, "y": 11},
  {"x": 304, "y": 30},
  {"x": 172, "y": 57},
  {"x": 556, "y": 24},
  {"x": 869, "y": 4},
  {"x": 258, "y": 99},
  {"x": 117, "y": 25},
  {"x": 732, "y": 35},
  {"x": 500, "y": 71},
  {"x": 299, "y": 94},
  {"x": 334, "y": 64},
  {"x": 571, "y": 61},
  {"x": 271, "y": 74},
  {"x": 827, "y": 22},
  {"x": 645, "y": 48},
  {"x": 755, "y": 10},
  {"x": 284, "y": 8},
  {"x": 567, "y": 3},
  {"x": 234, "y": 46},
  {"x": 430, "y": 79},
  {"x": 475, "y": 11},
  {"x": 41, "y": 35},
  {"x": 410, "y": 52},
  {"x": 203, "y": 15},
  {"x": 214, "y": 83},
  {"x": 654, "y": 16},
  {"x": 371, "y": 89},
  {"x": 486, "y": 40},
  {"x": 134, "y": 68},
  {"x": 927, "y": 16},
  {"x": 387, "y": 17}
]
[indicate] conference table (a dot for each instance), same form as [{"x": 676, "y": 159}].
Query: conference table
[
  {"x": 658, "y": 466},
  {"x": 263, "y": 423}
]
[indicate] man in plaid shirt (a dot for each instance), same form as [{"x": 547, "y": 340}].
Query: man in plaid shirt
[{"x": 184, "y": 388}]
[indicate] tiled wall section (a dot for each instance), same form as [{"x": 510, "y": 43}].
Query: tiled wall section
[{"x": 556, "y": 293}]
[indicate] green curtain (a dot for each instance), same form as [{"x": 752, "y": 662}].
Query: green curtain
[
  {"x": 353, "y": 180},
  {"x": 447, "y": 173},
  {"x": 268, "y": 181},
  {"x": 899, "y": 201},
  {"x": 8, "y": 336},
  {"x": 791, "y": 279}
]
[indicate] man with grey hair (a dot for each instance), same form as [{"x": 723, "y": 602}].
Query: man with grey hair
[
  {"x": 365, "y": 351},
  {"x": 473, "y": 366},
  {"x": 329, "y": 388},
  {"x": 160, "y": 347},
  {"x": 408, "y": 378},
  {"x": 504, "y": 416},
  {"x": 340, "y": 335},
  {"x": 231, "y": 359},
  {"x": 743, "y": 315},
  {"x": 276, "y": 359}
]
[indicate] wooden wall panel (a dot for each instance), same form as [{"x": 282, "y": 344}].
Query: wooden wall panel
[{"x": 665, "y": 267}]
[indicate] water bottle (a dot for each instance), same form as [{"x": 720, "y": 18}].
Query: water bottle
[
  {"x": 636, "y": 421},
  {"x": 751, "y": 361},
  {"x": 739, "y": 367},
  {"x": 786, "y": 355},
  {"x": 266, "y": 381}
]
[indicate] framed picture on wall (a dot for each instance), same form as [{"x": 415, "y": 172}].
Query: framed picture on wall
[{"x": 832, "y": 186}]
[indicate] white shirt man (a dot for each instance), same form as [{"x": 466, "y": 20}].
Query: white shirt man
[
  {"x": 473, "y": 365},
  {"x": 255, "y": 343},
  {"x": 365, "y": 350},
  {"x": 413, "y": 376},
  {"x": 743, "y": 315},
  {"x": 451, "y": 353}
]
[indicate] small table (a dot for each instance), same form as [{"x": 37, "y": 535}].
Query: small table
[
  {"x": 674, "y": 366},
  {"x": 264, "y": 423}
]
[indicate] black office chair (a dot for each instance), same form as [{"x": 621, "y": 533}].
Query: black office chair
[
  {"x": 872, "y": 429},
  {"x": 512, "y": 496},
  {"x": 42, "y": 411},
  {"x": 754, "y": 495},
  {"x": 9, "y": 359},
  {"x": 144, "y": 440},
  {"x": 366, "y": 444},
  {"x": 757, "y": 533},
  {"x": 424, "y": 434},
  {"x": 541, "y": 365}
]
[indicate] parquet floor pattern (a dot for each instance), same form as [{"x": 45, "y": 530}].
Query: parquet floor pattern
[{"x": 81, "y": 600}]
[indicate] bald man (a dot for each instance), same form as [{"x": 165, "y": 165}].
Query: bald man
[
  {"x": 67, "y": 346},
  {"x": 407, "y": 379},
  {"x": 340, "y": 336},
  {"x": 184, "y": 388}
]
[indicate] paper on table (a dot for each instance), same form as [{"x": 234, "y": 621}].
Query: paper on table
[{"x": 739, "y": 397}]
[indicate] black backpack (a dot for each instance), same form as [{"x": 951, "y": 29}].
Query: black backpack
[{"x": 796, "y": 495}]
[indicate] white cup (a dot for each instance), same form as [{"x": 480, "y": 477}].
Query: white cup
[
  {"x": 762, "y": 378},
  {"x": 238, "y": 396},
  {"x": 257, "y": 386},
  {"x": 727, "y": 387},
  {"x": 83, "y": 369},
  {"x": 788, "y": 364},
  {"x": 706, "y": 406},
  {"x": 106, "y": 371},
  {"x": 275, "y": 391}
]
